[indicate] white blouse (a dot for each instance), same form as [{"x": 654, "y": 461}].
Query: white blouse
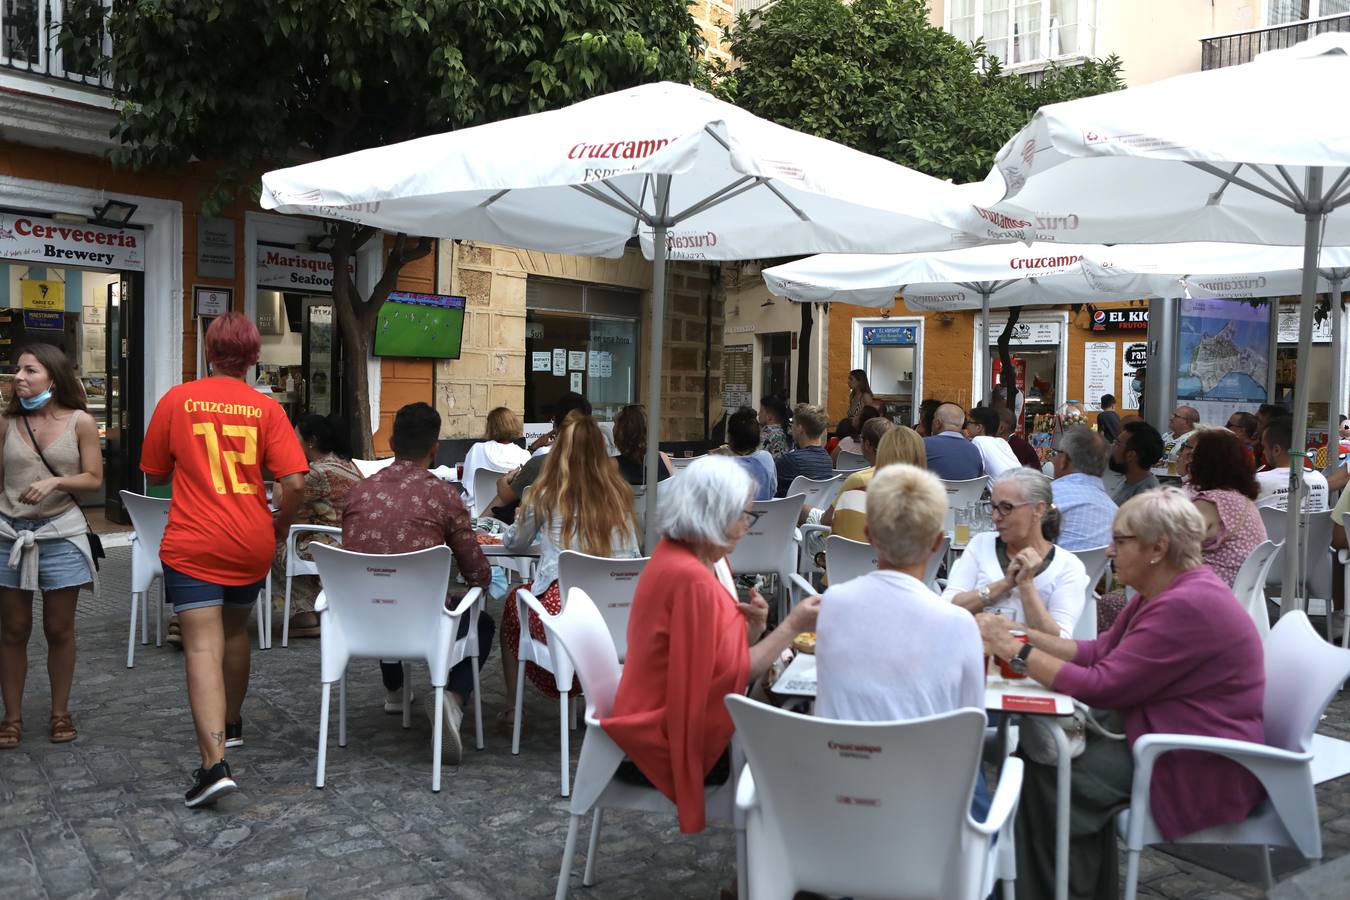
[{"x": 1062, "y": 586}]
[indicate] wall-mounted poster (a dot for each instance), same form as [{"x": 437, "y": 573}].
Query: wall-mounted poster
[
  {"x": 1099, "y": 372},
  {"x": 1223, "y": 351}
]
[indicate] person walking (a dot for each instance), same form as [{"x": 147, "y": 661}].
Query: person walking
[
  {"x": 214, "y": 438},
  {"x": 50, "y": 450}
]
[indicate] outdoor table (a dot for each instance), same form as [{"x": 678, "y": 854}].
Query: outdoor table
[{"x": 1021, "y": 697}]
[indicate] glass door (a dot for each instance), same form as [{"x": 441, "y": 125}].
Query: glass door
[{"x": 124, "y": 404}]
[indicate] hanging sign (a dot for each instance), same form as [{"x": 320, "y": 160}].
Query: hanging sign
[
  {"x": 889, "y": 336},
  {"x": 297, "y": 270},
  {"x": 43, "y": 294},
  {"x": 44, "y": 321},
  {"x": 1120, "y": 320},
  {"x": 1027, "y": 332},
  {"x": 54, "y": 243}
]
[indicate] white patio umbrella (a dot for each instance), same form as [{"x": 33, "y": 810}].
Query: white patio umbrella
[
  {"x": 687, "y": 175},
  {"x": 1247, "y": 154}
]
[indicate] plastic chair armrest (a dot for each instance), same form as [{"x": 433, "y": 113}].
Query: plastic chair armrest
[
  {"x": 746, "y": 798},
  {"x": 800, "y": 586},
  {"x": 297, "y": 530},
  {"x": 805, "y": 530},
  {"x": 1342, "y": 556},
  {"x": 465, "y": 603},
  {"x": 1004, "y": 802},
  {"x": 321, "y": 604}
]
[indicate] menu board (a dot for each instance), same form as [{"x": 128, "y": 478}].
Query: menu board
[{"x": 738, "y": 373}]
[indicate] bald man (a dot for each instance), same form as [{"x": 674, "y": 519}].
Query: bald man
[
  {"x": 951, "y": 456},
  {"x": 1183, "y": 422}
]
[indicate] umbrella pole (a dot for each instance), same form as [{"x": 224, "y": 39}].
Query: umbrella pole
[
  {"x": 1335, "y": 286},
  {"x": 1313, "y": 216},
  {"x": 984, "y": 355},
  {"x": 661, "y": 203}
]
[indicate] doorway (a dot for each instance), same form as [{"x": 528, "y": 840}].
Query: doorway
[{"x": 775, "y": 365}]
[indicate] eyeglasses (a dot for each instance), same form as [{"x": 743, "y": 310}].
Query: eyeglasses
[
  {"x": 1118, "y": 539},
  {"x": 1000, "y": 510},
  {"x": 752, "y": 516}
]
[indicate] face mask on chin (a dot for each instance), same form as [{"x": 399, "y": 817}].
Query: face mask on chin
[{"x": 33, "y": 404}]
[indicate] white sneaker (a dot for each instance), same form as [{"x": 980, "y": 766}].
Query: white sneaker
[
  {"x": 452, "y": 747},
  {"x": 393, "y": 700}
]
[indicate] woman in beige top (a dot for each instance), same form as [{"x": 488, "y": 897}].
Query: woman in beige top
[{"x": 45, "y": 419}]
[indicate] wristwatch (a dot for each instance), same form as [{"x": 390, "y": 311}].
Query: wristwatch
[
  {"x": 985, "y": 595},
  {"x": 1019, "y": 662}
]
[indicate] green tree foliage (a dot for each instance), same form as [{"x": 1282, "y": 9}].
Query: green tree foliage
[
  {"x": 249, "y": 85},
  {"x": 877, "y": 76}
]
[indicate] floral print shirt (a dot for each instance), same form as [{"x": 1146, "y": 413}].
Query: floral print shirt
[
  {"x": 403, "y": 508},
  {"x": 774, "y": 439}
]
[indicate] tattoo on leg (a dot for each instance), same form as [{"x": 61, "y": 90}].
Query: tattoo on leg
[{"x": 218, "y": 737}]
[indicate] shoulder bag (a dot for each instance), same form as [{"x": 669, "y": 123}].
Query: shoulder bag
[{"x": 96, "y": 551}]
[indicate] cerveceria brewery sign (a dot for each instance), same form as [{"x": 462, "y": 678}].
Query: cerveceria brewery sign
[
  {"x": 298, "y": 270},
  {"x": 53, "y": 243},
  {"x": 1120, "y": 320}
]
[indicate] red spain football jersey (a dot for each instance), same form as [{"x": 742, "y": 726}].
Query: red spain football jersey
[{"x": 216, "y": 436}]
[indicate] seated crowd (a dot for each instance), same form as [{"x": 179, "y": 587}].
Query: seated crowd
[{"x": 1181, "y": 656}]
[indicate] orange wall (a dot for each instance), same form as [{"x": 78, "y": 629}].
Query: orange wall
[{"x": 404, "y": 381}]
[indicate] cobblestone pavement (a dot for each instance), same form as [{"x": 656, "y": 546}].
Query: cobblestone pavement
[{"x": 104, "y": 816}]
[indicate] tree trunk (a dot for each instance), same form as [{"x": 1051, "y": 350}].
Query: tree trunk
[
  {"x": 356, "y": 321},
  {"x": 1005, "y": 358},
  {"x": 804, "y": 355}
]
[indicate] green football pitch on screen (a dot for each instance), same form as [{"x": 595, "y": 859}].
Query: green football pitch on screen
[{"x": 419, "y": 330}]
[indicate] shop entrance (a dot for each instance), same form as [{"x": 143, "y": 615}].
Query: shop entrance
[
  {"x": 892, "y": 363},
  {"x": 94, "y": 317},
  {"x": 775, "y": 364}
]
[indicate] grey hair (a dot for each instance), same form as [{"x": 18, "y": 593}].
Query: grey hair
[
  {"x": 1166, "y": 513},
  {"x": 1086, "y": 449},
  {"x": 1036, "y": 487},
  {"x": 700, "y": 504}
]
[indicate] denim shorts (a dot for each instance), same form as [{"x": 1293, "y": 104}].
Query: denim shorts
[
  {"x": 60, "y": 562},
  {"x": 186, "y": 592}
]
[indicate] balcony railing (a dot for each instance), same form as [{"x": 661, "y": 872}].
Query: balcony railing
[
  {"x": 59, "y": 40},
  {"x": 1243, "y": 46}
]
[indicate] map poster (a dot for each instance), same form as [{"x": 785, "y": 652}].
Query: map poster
[
  {"x": 1223, "y": 351},
  {"x": 1099, "y": 372},
  {"x": 1133, "y": 357}
]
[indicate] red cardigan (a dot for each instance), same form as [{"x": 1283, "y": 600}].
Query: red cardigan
[{"x": 687, "y": 649}]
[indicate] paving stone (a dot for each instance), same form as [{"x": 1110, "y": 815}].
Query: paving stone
[{"x": 104, "y": 816}]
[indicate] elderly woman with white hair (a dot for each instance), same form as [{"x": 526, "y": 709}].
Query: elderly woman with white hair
[
  {"x": 1018, "y": 572},
  {"x": 1183, "y": 657},
  {"x": 690, "y": 642}
]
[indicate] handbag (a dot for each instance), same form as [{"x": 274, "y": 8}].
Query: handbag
[
  {"x": 96, "y": 551},
  {"x": 1038, "y": 743}
]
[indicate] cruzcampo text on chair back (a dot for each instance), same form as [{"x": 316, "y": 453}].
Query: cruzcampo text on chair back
[
  {"x": 581, "y": 630},
  {"x": 858, "y": 805},
  {"x": 816, "y": 494},
  {"x": 484, "y": 489},
  {"x": 846, "y": 560},
  {"x": 149, "y": 516},
  {"x": 767, "y": 546},
  {"x": 1303, "y": 674},
  {"x": 383, "y": 605},
  {"x": 610, "y": 583}
]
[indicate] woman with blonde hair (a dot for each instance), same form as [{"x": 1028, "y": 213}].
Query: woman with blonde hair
[
  {"x": 579, "y": 502},
  {"x": 883, "y": 444},
  {"x": 498, "y": 453}
]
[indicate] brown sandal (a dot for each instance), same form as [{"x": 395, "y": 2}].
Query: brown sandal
[
  {"x": 63, "y": 732},
  {"x": 11, "y": 732}
]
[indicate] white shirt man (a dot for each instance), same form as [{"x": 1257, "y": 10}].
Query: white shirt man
[{"x": 1274, "y": 484}]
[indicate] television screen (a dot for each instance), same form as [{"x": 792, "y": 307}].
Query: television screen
[{"x": 425, "y": 326}]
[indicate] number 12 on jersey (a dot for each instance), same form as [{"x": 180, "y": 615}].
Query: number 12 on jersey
[{"x": 231, "y": 458}]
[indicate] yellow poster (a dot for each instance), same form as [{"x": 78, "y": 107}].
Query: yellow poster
[{"x": 48, "y": 295}]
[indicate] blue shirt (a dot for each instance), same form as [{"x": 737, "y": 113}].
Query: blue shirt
[
  {"x": 953, "y": 458},
  {"x": 1087, "y": 510},
  {"x": 760, "y": 467},
  {"x": 813, "y": 462}
]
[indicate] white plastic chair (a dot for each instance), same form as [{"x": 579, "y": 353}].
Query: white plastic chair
[
  {"x": 1303, "y": 674},
  {"x": 679, "y": 463},
  {"x": 816, "y": 493},
  {"x": 1250, "y": 584},
  {"x": 848, "y": 461},
  {"x": 611, "y": 582},
  {"x": 867, "y": 809},
  {"x": 961, "y": 494},
  {"x": 392, "y": 606},
  {"x": 1095, "y": 561},
  {"x": 368, "y": 467},
  {"x": 484, "y": 489},
  {"x": 581, "y": 632},
  {"x": 1343, "y": 557},
  {"x": 149, "y": 516},
  {"x": 846, "y": 559},
  {"x": 1316, "y": 568},
  {"x": 297, "y": 565},
  {"x": 769, "y": 547}
]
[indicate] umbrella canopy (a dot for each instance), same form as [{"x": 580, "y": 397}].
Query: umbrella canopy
[
  {"x": 1247, "y": 154},
  {"x": 687, "y": 175}
]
